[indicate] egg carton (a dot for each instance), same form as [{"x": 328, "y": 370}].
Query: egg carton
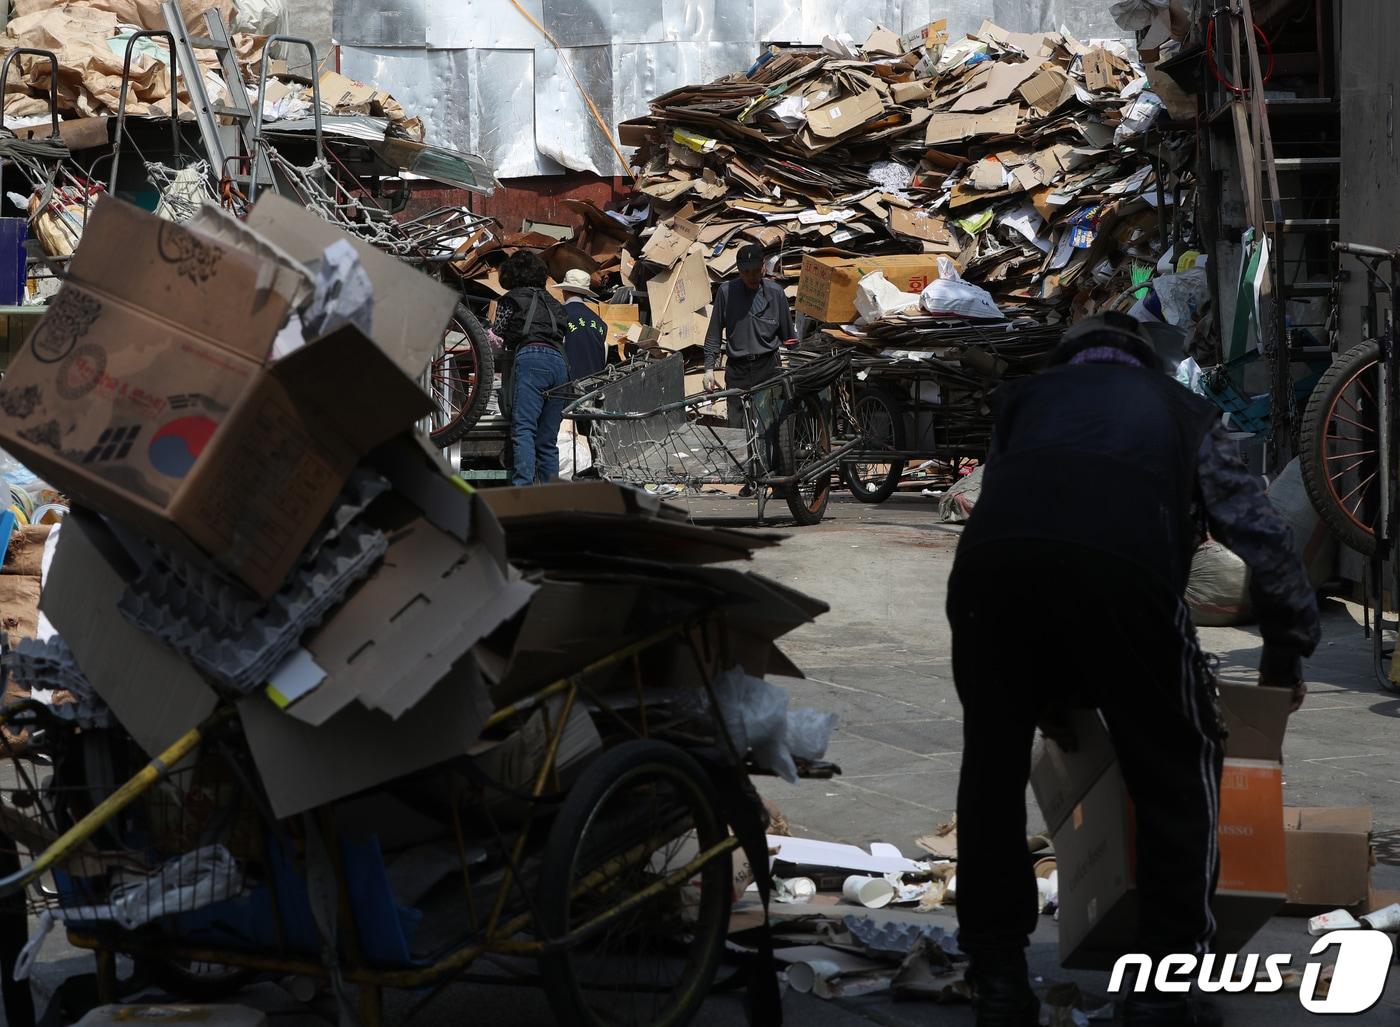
[
  {"x": 49, "y": 666},
  {"x": 226, "y": 607},
  {"x": 243, "y": 656},
  {"x": 898, "y": 938}
]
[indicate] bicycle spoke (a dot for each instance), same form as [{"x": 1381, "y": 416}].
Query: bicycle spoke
[
  {"x": 1353, "y": 492},
  {"x": 1346, "y": 470}
]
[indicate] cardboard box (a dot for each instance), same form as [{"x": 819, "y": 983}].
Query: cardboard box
[
  {"x": 148, "y": 390},
  {"x": 1328, "y": 855},
  {"x": 826, "y": 288},
  {"x": 1091, "y": 820}
]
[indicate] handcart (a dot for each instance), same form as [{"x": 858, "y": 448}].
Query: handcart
[
  {"x": 779, "y": 443},
  {"x": 609, "y": 886}
]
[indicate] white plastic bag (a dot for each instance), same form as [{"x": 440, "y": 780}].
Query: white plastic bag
[
  {"x": 1140, "y": 117},
  {"x": 955, "y": 507},
  {"x": 1182, "y": 296},
  {"x": 1134, "y": 15},
  {"x": 758, "y": 720},
  {"x": 574, "y": 455},
  {"x": 951, "y": 295},
  {"x": 186, "y": 883},
  {"x": 877, "y": 297},
  {"x": 261, "y": 17}
]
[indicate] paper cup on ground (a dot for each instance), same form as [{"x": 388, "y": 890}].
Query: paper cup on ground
[
  {"x": 1045, "y": 867},
  {"x": 803, "y": 977},
  {"x": 1337, "y": 920},
  {"x": 870, "y": 892},
  {"x": 795, "y": 889},
  {"x": 1387, "y": 918}
]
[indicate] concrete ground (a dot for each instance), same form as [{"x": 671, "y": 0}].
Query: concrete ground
[{"x": 880, "y": 660}]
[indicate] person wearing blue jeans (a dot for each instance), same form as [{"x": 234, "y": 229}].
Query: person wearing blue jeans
[
  {"x": 531, "y": 324},
  {"x": 535, "y": 420}
]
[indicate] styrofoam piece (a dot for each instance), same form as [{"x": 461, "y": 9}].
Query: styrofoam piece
[
  {"x": 811, "y": 852},
  {"x": 179, "y": 615},
  {"x": 896, "y": 937},
  {"x": 1337, "y": 920}
]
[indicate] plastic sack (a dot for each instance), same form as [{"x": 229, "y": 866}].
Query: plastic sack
[
  {"x": 261, "y": 17},
  {"x": 1217, "y": 592},
  {"x": 758, "y": 720},
  {"x": 955, "y": 507},
  {"x": 186, "y": 883},
  {"x": 575, "y": 456},
  {"x": 951, "y": 295},
  {"x": 1140, "y": 117},
  {"x": 878, "y": 297},
  {"x": 1135, "y": 15},
  {"x": 1316, "y": 546},
  {"x": 1182, "y": 296}
]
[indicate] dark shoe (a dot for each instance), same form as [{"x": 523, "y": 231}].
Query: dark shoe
[
  {"x": 1001, "y": 991},
  {"x": 1169, "y": 1011},
  {"x": 746, "y": 492}
]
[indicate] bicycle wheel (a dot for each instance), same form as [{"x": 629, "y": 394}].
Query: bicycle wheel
[
  {"x": 460, "y": 378},
  {"x": 640, "y": 812},
  {"x": 190, "y": 979},
  {"x": 879, "y": 419},
  {"x": 803, "y": 439},
  {"x": 1339, "y": 445}
]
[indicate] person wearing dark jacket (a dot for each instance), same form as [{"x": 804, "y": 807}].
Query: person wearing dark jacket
[
  {"x": 531, "y": 325},
  {"x": 585, "y": 334},
  {"x": 1067, "y": 590},
  {"x": 750, "y": 322}
]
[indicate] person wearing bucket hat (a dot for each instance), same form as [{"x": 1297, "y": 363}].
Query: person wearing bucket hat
[
  {"x": 1102, "y": 473},
  {"x": 751, "y": 321},
  {"x": 585, "y": 334}
]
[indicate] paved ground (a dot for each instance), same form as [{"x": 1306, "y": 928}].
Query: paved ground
[{"x": 880, "y": 660}]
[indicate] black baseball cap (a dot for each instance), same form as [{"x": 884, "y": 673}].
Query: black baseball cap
[{"x": 751, "y": 257}]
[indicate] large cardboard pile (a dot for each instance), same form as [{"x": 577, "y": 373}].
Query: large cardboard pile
[{"x": 1014, "y": 154}]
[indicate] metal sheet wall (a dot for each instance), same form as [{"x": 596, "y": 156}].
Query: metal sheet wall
[{"x": 484, "y": 79}]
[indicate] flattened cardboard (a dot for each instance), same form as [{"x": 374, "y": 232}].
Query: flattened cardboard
[
  {"x": 303, "y": 766},
  {"x": 670, "y": 241},
  {"x": 1328, "y": 856},
  {"x": 683, "y": 290},
  {"x": 684, "y": 331},
  {"x": 577, "y": 496},
  {"x": 882, "y": 42},
  {"x": 154, "y": 694},
  {"x": 932, "y": 34},
  {"x": 834, "y": 119},
  {"x": 921, "y": 224},
  {"x": 909, "y": 92},
  {"x": 619, "y": 317},
  {"x": 1049, "y": 88},
  {"x": 949, "y": 127}
]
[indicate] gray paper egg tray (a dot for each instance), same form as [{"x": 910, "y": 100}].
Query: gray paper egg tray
[
  {"x": 896, "y": 937},
  {"x": 243, "y": 656},
  {"x": 50, "y": 665},
  {"x": 227, "y": 608}
]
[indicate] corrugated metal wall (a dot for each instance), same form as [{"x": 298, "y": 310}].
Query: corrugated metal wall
[{"x": 485, "y": 79}]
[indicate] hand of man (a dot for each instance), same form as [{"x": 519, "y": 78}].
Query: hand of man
[
  {"x": 710, "y": 384},
  {"x": 790, "y": 343},
  {"x": 1298, "y": 688}
]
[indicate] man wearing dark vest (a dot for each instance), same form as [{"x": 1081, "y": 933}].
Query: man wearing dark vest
[
  {"x": 750, "y": 321},
  {"x": 531, "y": 324},
  {"x": 1067, "y": 590},
  {"x": 585, "y": 334}
]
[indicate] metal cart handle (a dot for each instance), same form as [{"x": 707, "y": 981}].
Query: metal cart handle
[
  {"x": 121, "y": 101},
  {"x": 262, "y": 96},
  {"x": 53, "y": 83},
  {"x": 1357, "y": 250}
]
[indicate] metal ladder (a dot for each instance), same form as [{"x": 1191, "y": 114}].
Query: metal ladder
[{"x": 207, "y": 112}]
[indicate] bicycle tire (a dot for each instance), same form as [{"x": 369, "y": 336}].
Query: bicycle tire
[
  {"x": 1316, "y": 452},
  {"x": 803, "y": 433},
  {"x": 889, "y": 407},
  {"x": 174, "y": 978},
  {"x": 443, "y": 383},
  {"x": 567, "y": 857}
]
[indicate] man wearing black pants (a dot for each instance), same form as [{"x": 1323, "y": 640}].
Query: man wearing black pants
[{"x": 1067, "y": 591}]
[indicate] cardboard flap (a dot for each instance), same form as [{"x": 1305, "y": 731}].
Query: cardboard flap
[
  {"x": 1331, "y": 819},
  {"x": 1256, "y": 719},
  {"x": 411, "y": 311},
  {"x": 346, "y": 382},
  {"x": 1060, "y": 779}
]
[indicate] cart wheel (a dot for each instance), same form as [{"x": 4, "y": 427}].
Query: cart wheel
[
  {"x": 804, "y": 438},
  {"x": 460, "y": 378},
  {"x": 202, "y": 982},
  {"x": 1339, "y": 443},
  {"x": 642, "y": 810},
  {"x": 879, "y": 419}
]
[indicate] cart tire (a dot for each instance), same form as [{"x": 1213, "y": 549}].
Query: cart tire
[
  {"x": 599, "y": 820},
  {"x": 202, "y": 982},
  {"x": 460, "y": 378},
  {"x": 1337, "y": 422},
  {"x": 804, "y": 436},
  {"x": 882, "y": 408}
]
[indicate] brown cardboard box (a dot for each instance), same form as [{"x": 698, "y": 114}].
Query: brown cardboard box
[
  {"x": 1090, "y": 817},
  {"x": 1328, "y": 854},
  {"x": 148, "y": 390},
  {"x": 826, "y": 289}
]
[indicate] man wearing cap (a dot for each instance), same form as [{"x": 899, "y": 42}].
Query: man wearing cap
[
  {"x": 751, "y": 320},
  {"x": 1067, "y": 590},
  {"x": 585, "y": 334}
]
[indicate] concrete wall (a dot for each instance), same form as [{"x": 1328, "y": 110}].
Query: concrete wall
[{"x": 1369, "y": 77}]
